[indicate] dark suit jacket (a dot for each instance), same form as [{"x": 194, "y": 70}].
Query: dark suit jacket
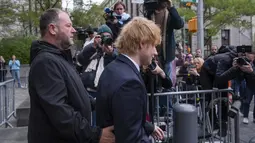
[{"x": 122, "y": 102}]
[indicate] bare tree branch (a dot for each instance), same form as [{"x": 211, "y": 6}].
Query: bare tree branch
[
  {"x": 48, "y": 4},
  {"x": 57, "y": 1},
  {"x": 41, "y": 5}
]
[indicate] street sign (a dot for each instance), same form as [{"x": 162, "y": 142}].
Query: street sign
[{"x": 137, "y": 1}]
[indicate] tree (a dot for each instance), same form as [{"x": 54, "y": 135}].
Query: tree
[
  {"x": 93, "y": 16},
  {"x": 30, "y": 16},
  {"x": 8, "y": 16},
  {"x": 221, "y": 13},
  {"x": 22, "y": 17},
  {"x": 19, "y": 46}
]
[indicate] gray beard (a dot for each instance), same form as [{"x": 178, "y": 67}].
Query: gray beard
[{"x": 66, "y": 45}]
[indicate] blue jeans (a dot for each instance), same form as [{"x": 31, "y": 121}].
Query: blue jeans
[
  {"x": 238, "y": 86},
  {"x": 246, "y": 104},
  {"x": 16, "y": 76},
  {"x": 163, "y": 99},
  {"x": 93, "y": 94},
  {"x": 168, "y": 69}
]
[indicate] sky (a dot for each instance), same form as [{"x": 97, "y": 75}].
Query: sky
[{"x": 69, "y": 3}]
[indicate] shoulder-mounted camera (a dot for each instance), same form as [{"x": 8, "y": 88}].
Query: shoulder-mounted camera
[{"x": 109, "y": 15}]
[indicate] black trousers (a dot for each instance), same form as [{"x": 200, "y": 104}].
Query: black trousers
[{"x": 207, "y": 83}]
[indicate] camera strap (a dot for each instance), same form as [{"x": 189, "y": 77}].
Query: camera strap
[{"x": 94, "y": 62}]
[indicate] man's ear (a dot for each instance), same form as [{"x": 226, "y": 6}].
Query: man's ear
[
  {"x": 52, "y": 29},
  {"x": 142, "y": 45}
]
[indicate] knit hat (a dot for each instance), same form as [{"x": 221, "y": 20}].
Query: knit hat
[{"x": 104, "y": 28}]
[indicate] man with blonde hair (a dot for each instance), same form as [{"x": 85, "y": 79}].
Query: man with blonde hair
[{"x": 122, "y": 96}]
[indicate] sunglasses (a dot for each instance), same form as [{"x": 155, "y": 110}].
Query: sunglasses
[{"x": 119, "y": 8}]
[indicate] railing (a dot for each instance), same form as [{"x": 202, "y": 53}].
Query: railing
[
  {"x": 198, "y": 116},
  {"x": 7, "y": 102}
]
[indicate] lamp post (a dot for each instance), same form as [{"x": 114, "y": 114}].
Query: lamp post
[{"x": 200, "y": 26}]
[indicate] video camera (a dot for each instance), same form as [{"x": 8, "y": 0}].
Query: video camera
[
  {"x": 109, "y": 15},
  {"x": 149, "y": 7},
  {"x": 81, "y": 33},
  {"x": 243, "y": 49}
]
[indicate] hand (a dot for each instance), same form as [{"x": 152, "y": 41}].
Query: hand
[
  {"x": 158, "y": 134},
  {"x": 108, "y": 49},
  {"x": 246, "y": 68},
  {"x": 97, "y": 41},
  {"x": 234, "y": 64},
  {"x": 171, "y": 3},
  {"x": 107, "y": 135},
  {"x": 159, "y": 71},
  {"x": 193, "y": 72}
]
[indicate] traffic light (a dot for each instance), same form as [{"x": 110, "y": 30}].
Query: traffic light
[
  {"x": 192, "y": 25},
  {"x": 188, "y": 4}
]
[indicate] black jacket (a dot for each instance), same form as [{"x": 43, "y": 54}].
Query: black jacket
[
  {"x": 122, "y": 102},
  {"x": 60, "y": 106},
  {"x": 250, "y": 80},
  {"x": 218, "y": 64},
  {"x": 174, "y": 21},
  {"x": 235, "y": 72}
]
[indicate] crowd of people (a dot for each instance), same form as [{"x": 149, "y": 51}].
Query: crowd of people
[{"x": 115, "y": 68}]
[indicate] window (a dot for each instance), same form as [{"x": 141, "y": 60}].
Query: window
[
  {"x": 225, "y": 37},
  {"x": 207, "y": 43}
]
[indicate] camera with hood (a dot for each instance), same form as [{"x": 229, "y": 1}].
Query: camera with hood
[{"x": 106, "y": 40}]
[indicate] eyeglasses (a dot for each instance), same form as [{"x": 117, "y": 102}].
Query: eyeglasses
[
  {"x": 119, "y": 8},
  {"x": 98, "y": 36}
]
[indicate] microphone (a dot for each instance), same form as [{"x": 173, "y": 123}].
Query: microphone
[
  {"x": 153, "y": 65},
  {"x": 107, "y": 10}
]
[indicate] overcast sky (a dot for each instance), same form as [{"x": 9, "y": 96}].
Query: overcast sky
[{"x": 69, "y": 3}]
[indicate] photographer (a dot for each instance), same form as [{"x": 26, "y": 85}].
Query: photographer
[
  {"x": 95, "y": 57},
  {"x": 168, "y": 19},
  {"x": 243, "y": 68},
  {"x": 211, "y": 76},
  {"x": 116, "y": 18},
  {"x": 90, "y": 37}
]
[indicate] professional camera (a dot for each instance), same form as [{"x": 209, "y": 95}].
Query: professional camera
[
  {"x": 81, "y": 33},
  {"x": 243, "y": 49},
  {"x": 106, "y": 40},
  {"x": 149, "y": 7},
  {"x": 153, "y": 65},
  {"x": 109, "y": 15}
]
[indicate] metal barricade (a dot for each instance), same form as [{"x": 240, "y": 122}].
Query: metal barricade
[
  {"x": 214, "y": 125},
  {"x": 7, "y": 102}
]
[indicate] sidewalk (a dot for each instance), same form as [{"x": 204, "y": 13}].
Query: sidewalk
[{"x": 247, "y": 131}]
